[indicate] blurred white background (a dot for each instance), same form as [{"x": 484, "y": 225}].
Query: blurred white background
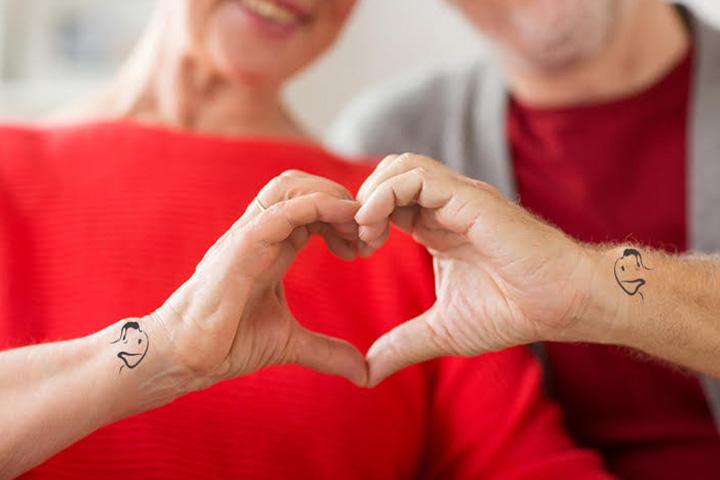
[{"x": 52, "y": 51}]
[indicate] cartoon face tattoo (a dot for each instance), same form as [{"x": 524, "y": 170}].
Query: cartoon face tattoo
[
  {"x": 134, "y": 344},
  {"x": 629, "y": 272}
]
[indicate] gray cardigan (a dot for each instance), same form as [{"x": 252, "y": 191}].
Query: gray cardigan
[{"x": 459, "y": 117}]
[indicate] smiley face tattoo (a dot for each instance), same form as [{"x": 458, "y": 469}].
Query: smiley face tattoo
[
  {"x": 630, "y": 272},
  {"x": 134, "y": 343}
]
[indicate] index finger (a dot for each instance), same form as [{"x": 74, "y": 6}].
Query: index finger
[
  {"x": 278, "y": 222},
  {"x": 394, "y": 165},
  {"x": 291, "y": 184},
  {"x": 414, "y": 187}
]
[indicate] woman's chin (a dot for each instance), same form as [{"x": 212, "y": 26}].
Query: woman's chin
[
  {"x": 247, "y": 42},
  {"x": 252, "y": 63},
  {"x": 257, "y": 78}
]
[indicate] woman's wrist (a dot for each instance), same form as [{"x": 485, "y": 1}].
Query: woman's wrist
[
  {"x": 138, "y": 358},
  {"x": 86, "y": 385}
]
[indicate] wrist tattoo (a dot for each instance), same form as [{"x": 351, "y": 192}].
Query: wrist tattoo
[
  {"x": 630, "y": 272},
  {"x": 134, "y": 345}
]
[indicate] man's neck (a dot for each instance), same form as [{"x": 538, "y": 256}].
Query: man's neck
[{"x": 645, "y": 47}]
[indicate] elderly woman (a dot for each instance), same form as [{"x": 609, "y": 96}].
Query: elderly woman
[{"x": 103, "y": 217}]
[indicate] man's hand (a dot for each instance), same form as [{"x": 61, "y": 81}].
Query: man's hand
[{"x": 503, "y": 278}]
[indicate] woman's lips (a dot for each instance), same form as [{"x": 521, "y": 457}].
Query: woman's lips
[{"x": 280, "y": 15}]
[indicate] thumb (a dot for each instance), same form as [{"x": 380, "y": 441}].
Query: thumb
[
  {"x": 412, "y": 342},
  {"x": 329, "y": 355}
]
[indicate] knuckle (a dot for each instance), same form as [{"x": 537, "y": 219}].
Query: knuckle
[
  {"x": 320, "y": 196},
  {"x": 292, "y": 192},
  {"x": 292, "y": 173},
  {"x": 483, "y": 186},
  {"x": 283, "y": 186},
  {"x": 421, "y": 172},
  {"x": 387, "y": 161},
  {"x": 274, "y": 185},
  {"x": 406, "y": 159}
]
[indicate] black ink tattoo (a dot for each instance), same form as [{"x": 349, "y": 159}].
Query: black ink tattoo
[
  {"x": 629, "y": 272},
  {"x": 135, "y": 345}
]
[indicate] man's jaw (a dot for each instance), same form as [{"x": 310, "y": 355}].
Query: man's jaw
[{"x": 569, "y": 34}]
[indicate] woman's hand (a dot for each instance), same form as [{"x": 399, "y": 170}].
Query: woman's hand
[
  {"x": 231, "y": 317},
  {"x": 503, "y": 278}
]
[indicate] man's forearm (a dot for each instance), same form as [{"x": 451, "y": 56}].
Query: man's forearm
[
  {"x": 665, "y": 305},
  {"x": 52, "y": 395}
]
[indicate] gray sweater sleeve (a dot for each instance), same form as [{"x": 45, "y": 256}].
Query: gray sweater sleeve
[
  {"x": 402, "y": 116},
  {"x": 421, "y": 113},
  {"x": 456, "y": 116}
]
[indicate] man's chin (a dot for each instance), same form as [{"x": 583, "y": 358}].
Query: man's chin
[
  {"x": 561, "y": 43},
  {"x": 549, "y": 60}
]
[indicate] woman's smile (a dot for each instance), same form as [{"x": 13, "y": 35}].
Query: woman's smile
[
  {"x": 280, "y": 16},
  {"x": 261, "y": 43}
]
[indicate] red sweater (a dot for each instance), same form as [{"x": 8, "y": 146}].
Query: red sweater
[
  {"x": 617, "y": 172},
  {"x": 102, "y": 222}
]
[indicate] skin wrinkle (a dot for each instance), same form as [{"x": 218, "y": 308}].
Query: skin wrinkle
[
  {"x": 440, "y": 332},
  {"x": 462, "y": 342},
  {"x": 498, "y": 285}
]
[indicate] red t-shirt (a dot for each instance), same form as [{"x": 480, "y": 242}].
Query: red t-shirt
[
  {"x": 102, "y": 222},
  {"x": 616, "y": 172}
]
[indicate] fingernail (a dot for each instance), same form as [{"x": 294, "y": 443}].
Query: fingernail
[
  {"x": 360, "y": 215},
  {"x": 363, "y": 233}
]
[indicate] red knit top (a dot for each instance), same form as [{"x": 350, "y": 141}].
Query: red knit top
[{"x": 102, "y": 222}]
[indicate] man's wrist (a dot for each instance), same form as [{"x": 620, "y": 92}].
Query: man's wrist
[{"x": 602, "y": 312}]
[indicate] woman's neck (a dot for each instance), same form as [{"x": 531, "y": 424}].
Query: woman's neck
[{"x": 162, "y": 84}]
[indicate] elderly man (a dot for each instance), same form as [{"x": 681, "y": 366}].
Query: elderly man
[{"x": 601, "y": 115}]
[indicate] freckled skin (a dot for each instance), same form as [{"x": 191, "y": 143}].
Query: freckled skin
[{"x": 629, "y": 272}]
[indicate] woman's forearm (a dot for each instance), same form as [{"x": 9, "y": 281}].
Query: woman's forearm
[
  {"x": 220, "y": 324},
  {"x": 665, "y": 305},
  {"x": 52, "y": 395}
]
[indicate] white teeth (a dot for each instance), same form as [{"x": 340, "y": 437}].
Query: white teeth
[{"x": 271, "y": 11}]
